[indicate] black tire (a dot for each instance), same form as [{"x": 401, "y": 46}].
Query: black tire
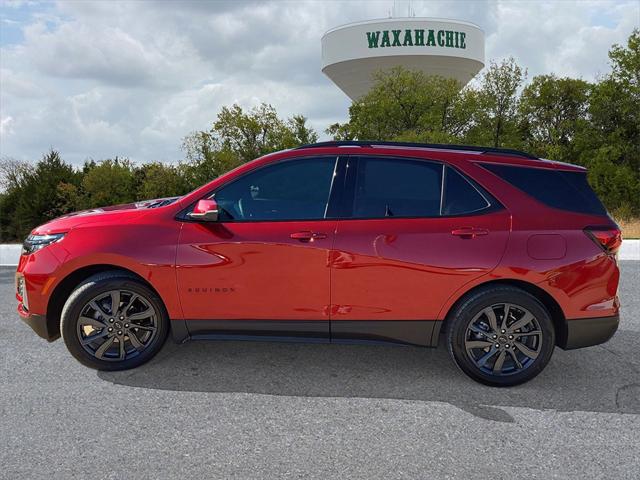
[
  {"x": 476, "y": 347},
  {"x": 78, "y": 317}
]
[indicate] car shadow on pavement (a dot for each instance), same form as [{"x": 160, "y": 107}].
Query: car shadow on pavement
[{"x": 597, "y": 379}]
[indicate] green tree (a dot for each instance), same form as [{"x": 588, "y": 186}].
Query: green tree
[
  {"x": 625, "y": 63},
  {"x": 248, "y": 135},
  {"x": 13, "y": 177},
  {"x": 340, "y": 131},
  {"x": 204, "y": 160},
  {"x": 38, "y": 197},
  {"x": 409, "y": 105},
  {"x": 553, "y": 112},
  {"x": 612, "y": 136},
  {"x": 297, "y": 132},
  {"x": 496, "y": 117},
  {"x": 13, "y": 173},
  {"x": 108, "y": 182},
  {"x": 238, "y": 136},
  {"x": 67, "y": 199},
  {"x": 158, "y": 180},
  {"x": 617, "y": 185}
]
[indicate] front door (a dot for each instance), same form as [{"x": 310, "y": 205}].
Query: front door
[
  {"x": 417, "y": 231},
  {"x": 267, "y": 258}
]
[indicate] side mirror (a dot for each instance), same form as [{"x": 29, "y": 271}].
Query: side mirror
[{"x": 205, "y": 211}]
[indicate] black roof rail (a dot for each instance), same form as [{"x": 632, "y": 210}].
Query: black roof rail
[{"x": 434, "y": 146}]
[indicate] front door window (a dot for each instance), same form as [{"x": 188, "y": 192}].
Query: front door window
[{"x": 290, "y": 190}]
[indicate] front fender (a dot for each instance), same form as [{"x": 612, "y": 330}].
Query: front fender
[{"x": 149, "y": 251}]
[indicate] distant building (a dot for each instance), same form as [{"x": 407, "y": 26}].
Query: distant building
[{"x": 352, "y": 53}]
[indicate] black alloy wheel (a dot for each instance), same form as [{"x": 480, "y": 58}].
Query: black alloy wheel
[
  {"x": 117, "y": 325},
  {"x": 503, "y": 339},
  {"x": 114, "y": 321},
  {"x": 500, "y": 335}
]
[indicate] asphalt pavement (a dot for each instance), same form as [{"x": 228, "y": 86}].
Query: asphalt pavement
[{"x": 269, "y": 410}]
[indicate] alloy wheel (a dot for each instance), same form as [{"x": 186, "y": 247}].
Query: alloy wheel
[
  {"x": 117, "y": 325},
  {"x": 503, "y": 339}
]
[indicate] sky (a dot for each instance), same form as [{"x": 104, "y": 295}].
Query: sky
[{"x": 99, "y": 79}]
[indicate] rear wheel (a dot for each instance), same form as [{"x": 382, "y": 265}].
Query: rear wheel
[
  {"x": 501, "y": 336},
  {"x": 112, "y": 321}
]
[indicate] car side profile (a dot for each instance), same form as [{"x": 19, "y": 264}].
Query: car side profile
[{"x": 497, "y": 254}]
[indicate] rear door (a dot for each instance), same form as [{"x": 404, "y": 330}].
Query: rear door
[{"x": 415, "y": 232}]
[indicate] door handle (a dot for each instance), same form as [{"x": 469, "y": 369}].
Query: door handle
[
  {"x": 469, "y": 232},
  {"x": 307, "y": 236}
]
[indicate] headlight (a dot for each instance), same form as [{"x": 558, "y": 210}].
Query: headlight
[{"x": 36, "y": 242}]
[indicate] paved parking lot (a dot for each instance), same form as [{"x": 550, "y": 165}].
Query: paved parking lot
[{"x": 260, "y": 410}]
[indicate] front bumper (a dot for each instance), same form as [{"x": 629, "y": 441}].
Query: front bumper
[
  {"x": 585, "y": 332},
  {"x": 35, "y": 276},
  {"x": 39, "y": 324}
]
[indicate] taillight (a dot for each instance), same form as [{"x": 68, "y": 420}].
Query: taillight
[{"x": 608, "y": 238}]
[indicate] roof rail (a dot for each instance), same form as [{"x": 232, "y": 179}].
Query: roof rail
[{"x": 434, "y": 146}]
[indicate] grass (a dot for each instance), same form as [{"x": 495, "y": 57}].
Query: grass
[{"x": 630, "y": 228}]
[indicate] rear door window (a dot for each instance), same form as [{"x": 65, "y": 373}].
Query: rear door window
[{"x": 391, "y": 187}]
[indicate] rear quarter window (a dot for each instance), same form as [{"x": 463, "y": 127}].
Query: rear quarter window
[
  {"x": 460, "y": 196},
  {"x": 559, "y": 189}
]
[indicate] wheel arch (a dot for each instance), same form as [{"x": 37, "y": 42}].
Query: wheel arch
[
  {"x": 553, "y": 307},
  {"x": 67, "y": 285}
]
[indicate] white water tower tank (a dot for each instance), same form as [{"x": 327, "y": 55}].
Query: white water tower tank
[{"x": 353, "y": 53}]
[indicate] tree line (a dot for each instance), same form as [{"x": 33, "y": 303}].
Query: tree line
[{"x": 595, "y": 124}]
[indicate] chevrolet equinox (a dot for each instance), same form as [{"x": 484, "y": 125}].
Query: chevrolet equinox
[{"x": 502, "y": 254}]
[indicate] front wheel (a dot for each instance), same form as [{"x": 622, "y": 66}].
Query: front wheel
[
  {"x": 501, "y": 336},
  {"x": 112, "y": 321}
]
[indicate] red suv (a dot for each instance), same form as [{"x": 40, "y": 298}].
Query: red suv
[{"x": 506, "y": 254}]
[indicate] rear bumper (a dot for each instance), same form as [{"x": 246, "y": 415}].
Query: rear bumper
[
  {"x": 38, "y": 324},
  {"x": 585, "y": 332}
]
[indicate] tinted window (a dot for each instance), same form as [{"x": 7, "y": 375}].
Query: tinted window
[
  {"x": 460, "y": 196},
  {"x": 397, "y": 188},
  {"x": 555, "y": 188},
  {"x": 291, "y": 190}
]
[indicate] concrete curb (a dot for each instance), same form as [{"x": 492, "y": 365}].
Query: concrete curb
[
  {"x": 630, "y": 250},
  {"x": 10, "y": 253}
]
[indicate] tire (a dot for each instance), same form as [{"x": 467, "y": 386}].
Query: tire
[
  {"x": 527, "y": 341},
  {"x": 134, "y": 332}
]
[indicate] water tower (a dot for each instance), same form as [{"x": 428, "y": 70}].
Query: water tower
[{"x": 353, "y": 53}]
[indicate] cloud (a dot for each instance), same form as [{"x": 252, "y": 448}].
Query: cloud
[
  {"x": 19, "y": 85},
  {"x": 5, "y": 125},
  {"x": 561, "y": 37},
  {"x": 106, "y": 54},
  {"x": 97, "y": 79}
]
